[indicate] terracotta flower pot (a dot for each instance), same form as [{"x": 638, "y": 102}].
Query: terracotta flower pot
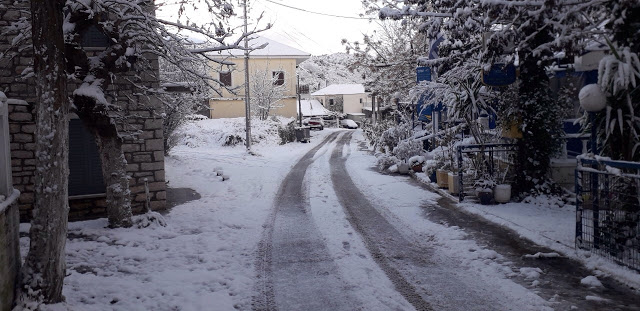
[{"x": 417, "y": 168}]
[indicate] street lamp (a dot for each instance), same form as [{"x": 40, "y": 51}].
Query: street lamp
[{"x": 592, "y": 100}]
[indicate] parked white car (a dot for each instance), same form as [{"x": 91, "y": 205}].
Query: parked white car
[{"x": 348, "y": 123}]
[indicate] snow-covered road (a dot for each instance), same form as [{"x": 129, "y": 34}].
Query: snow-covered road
[
  {"x": 371, "y": 245},
  {"x": 311, "y": 227}
]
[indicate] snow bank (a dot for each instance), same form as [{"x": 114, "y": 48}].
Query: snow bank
[{"x": 229, "y": 132}]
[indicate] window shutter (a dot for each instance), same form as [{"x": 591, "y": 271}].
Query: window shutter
[{"x": 85, "y": 168}]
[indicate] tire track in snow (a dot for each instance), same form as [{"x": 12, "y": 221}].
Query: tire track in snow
[
  {"x": 415, "y": 271},
  {"x": 295, "y": 270},
  {"x": 365, "y": 220}
]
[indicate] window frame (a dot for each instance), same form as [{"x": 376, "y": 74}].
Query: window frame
[
  {"x": 278, "y": 80},
  {"x": 222, "y": 80}
]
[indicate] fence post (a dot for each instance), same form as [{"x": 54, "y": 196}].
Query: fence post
[
  {"x": 578, "y": 186},
  {"x": 460, "y": 183},
  {"x": 596, "y": 206},
  {"x": 6, "y": 183}
]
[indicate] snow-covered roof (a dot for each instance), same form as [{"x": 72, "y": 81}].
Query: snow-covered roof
[
  {"x": 273, "y": 49},
  {"x": 340, "y": 89},
  {"x": 312, "y": 107}
]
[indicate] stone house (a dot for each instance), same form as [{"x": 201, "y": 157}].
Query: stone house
[
  {"x": 144, "y": 151},
  {"x": 279, "y": 60}
]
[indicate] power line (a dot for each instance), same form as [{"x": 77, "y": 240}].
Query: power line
[{"x": 318, "y": 13}]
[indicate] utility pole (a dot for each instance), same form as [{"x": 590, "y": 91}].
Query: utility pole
[
  {"x": 299, "y": 103},
  {"x": 247, "y": 105},
  {"x": 373, "y": 108}
]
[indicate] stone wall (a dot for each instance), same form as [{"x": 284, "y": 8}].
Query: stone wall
[
  {"x": 144, "y": 151},
  {"x": 9, "y": 255}
]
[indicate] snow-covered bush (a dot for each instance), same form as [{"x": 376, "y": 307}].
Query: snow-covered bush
[
  {"x": 619, "y": 126},
  {"x": 287, "y": 133},
  {"x": 407, "y": 149},
  {"x": 384, "y": 161}
]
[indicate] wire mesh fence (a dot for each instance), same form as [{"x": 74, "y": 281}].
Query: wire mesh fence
[{"x": 608, "y": 209}]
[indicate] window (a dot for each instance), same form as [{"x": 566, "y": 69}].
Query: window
[
  {"x": 361, "y": 100},
  {"x": 278, "y": 78},
  {"x": 94, "y": 38},
  {"x": 225, "y": 78},
  {"x": 331, "y": 102},
  {"x": 85, "y": 170}
]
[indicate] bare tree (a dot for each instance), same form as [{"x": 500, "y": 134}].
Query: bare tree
[
  {"x": 44, "y": 267},
  {"x": 268, "y": 90}
]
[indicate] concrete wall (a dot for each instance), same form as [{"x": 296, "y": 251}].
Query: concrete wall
[
  {"x": 563, "y": 172},
  {"x": 232, "y": 106},
  {"x": 236, "y": 108},
  {"x": 9, "y": 255},
  {"x": 352, "y": 103}
]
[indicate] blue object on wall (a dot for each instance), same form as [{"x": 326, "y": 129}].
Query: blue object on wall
[
  {"x": 424, "y": 110},
  {"x": 423, "y": 74},
  {"x": 499, "y": 75}
]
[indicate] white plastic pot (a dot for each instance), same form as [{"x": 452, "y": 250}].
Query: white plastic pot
[
  {"x": 453, "y": 181},
  {"x": 403, "y": 168},
  {"x": 502, "y": 193}
]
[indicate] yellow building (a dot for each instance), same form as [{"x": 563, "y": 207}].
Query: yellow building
[{"x": 277, "y": 59}]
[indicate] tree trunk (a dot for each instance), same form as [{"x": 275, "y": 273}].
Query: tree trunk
[
  {"x": 44, "y": 268},
  {"x": 114, "y": 165},
  {"x": 114, "y": 172}
]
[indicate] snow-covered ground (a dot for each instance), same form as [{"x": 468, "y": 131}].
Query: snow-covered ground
[{"x": 204, "y": 259}]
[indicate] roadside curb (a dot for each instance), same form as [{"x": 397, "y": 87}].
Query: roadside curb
[{"x": 424, "y": 181}]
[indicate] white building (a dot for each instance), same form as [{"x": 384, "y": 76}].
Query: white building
[{"x": 343, "y": 98}]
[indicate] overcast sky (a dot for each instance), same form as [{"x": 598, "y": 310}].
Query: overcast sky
[{"x": 312, "y": 33}]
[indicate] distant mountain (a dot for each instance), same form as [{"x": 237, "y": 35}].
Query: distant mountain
[{"x": 323, "y": 70}]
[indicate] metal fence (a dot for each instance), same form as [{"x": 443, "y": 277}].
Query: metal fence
[
  {"x": 608, "y": 209},
  {"x": 493, "y": 161}
]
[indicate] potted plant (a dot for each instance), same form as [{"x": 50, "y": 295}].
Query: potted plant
[
  {"x": 442, "y": 177},
  {"x": 403, "y": 168},
  {"x": 416, "y": 163},
  {"x": 430, "y": 168},
  {"x": 502, "y": 191},
  {"x": 484, "y": 189},
  {"x": 453, "y": 182}
]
